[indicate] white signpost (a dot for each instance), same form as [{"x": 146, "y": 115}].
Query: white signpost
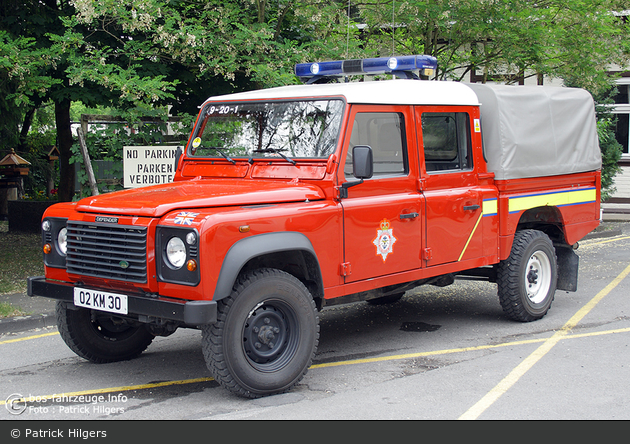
[{"x": 148, "y": 165}]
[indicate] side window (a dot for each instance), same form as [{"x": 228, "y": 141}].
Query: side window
[
  {"x": 446, "y": 140},
  {"x": 385, "y": 134}
]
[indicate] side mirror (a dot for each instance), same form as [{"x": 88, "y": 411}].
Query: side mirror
[
  {"x": 178, "y": 154},
  {"x": 362, "y": 168},
  {"x": 362, "y": 162}
]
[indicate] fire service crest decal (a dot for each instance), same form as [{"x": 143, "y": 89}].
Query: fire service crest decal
[{"x": 384, "y": 240}]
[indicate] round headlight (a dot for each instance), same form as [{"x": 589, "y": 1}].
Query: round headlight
[
  {"x": 176, "y": 252},
  {"x": 62, "y": 241}
]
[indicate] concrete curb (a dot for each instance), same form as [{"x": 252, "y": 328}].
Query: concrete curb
[{"x": 22, "y": 323}]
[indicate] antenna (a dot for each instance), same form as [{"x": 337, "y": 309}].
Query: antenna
[
  {"x": 348, "y": 33},
  {"x": 393, "y": 28}
]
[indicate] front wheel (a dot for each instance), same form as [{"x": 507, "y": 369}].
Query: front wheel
[
  {"x": 527, "y": 278},
  {"x": 265, "y": 336},
  {"x": 100, "y": 337}
]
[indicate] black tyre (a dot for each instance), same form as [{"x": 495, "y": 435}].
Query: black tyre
[
  {"x": 527, "y": 279},
  {"x": 265, "y": 336},
  {"x": 100, "y": 337}
]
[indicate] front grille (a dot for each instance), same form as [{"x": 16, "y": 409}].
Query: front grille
[{"x": 107, "y": 251}]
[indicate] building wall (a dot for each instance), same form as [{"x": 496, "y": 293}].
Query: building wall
[{"x": 622, "y": 133}]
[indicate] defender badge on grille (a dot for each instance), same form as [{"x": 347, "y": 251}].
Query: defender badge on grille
[
  {"x": 109, "y": 220},
  {"x": 123, "y": 264}
]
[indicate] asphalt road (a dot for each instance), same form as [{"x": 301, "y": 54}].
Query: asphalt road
[{"x": 438, "y": 354}]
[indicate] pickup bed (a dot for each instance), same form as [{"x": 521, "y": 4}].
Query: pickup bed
[{"x": 288, "y": 200}]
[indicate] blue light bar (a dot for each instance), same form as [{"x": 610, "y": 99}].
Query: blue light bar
[{"x": 381, "y": 65}]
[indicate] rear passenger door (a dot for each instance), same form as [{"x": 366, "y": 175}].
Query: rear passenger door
[
  {"x": 450, "y": 186},
  {"x": 382, "y": 216}
]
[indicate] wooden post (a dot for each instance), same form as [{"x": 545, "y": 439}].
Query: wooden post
[{"x": 87, "y": 162}]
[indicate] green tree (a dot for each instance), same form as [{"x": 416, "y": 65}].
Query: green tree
[
  {"x": 144, "y": 54},
  {"x": 41, "y": 62}
]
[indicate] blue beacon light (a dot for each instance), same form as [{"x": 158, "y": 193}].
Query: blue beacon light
[{"x": 401, "y": 66}]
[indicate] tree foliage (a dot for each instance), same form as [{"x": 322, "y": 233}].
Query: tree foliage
[{"x": 145, "y": 54}]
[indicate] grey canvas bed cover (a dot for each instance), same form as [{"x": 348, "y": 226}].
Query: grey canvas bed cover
[{"x": 537, "y": 131}]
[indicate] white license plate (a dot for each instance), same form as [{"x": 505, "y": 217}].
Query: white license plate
[{"x": 100, "y": 300}]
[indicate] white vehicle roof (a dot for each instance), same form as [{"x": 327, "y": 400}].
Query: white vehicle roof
[
  {"x": 527, "y": 131},
  {"x": 384, "y": 92}
]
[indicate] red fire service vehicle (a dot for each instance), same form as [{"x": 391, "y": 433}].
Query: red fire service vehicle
[{"x": 288, "y": 200}]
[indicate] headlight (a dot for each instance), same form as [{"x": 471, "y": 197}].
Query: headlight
[
  {"x": 176, "y": 252},
  {"x": 178, "y": 255},
  {"x": 62, "y": 241},
  {"x": 54, "y": 241}
]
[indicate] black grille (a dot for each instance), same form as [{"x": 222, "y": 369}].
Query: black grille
[{"x": 107, "y": 251}]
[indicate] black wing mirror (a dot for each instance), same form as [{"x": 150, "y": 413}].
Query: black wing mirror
[
  {"x": 362, "y": 167},
  {"x": 362, "y": 162}
]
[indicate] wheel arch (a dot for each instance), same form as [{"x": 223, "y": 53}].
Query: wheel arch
[
  {"x": 289, "y": 251},
  {"x": 547, "y": 219}
]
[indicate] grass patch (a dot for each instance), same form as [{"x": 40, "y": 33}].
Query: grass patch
[
  {"x": 7, "y": 310},
  {"x": 20, "y": 257}
]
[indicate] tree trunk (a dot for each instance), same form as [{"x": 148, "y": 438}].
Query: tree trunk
[
  {"x": 64, "y": 144},
  {"x": 26, "y": 127}
]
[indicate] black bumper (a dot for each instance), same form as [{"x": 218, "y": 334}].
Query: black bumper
[{"x": 190, "y": 313}]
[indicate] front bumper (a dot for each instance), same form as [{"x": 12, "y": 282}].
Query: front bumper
[{"x": 144, "y": 308}]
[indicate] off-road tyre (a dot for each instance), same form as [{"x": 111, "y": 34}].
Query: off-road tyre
[
  {"x": 100, "y": 337},
  {"x": 527, "y": 279},
  {"x": 265, "y": 337}
]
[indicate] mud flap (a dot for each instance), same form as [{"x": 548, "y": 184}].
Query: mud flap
[{"x": 568, "y": 264}]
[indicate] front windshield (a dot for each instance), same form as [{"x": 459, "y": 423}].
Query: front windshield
[{"x": 296, "y": 129}]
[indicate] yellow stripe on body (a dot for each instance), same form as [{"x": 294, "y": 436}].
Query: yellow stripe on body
[
  {"x": 470, "y": 237},
  {"x": 552, "y": 199},
  {"x": 490, "y": 206}
]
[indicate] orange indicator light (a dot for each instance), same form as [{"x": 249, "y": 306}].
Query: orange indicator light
[
  {"x": 191, "y": 265},
  {"x": 47, "y": 248}
]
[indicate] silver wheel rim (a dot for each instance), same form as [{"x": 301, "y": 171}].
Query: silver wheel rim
[{"x": 538, "y": 277}]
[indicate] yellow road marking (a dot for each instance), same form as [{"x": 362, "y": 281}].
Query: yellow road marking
[
  {"x": 125, "y": 388},
  {"x": 614, "y": 239},
  {"x": 461, "y": 350},
  {"x": 528, "y": 363},
  {"x": 324, "y": 365},
  {"x": 26, "y": 338}
]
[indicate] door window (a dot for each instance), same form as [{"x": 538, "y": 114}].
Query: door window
[
  {"x": 385, "y": 134},
  {"x": 446, "y": 141}
]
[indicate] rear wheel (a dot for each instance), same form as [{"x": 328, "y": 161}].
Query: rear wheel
[
  {"x": 265, "y": 336},
  {"x": 527, "y": 278},
  {"x": 100, "y": 337}
]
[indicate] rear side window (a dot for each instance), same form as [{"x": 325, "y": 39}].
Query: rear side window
[
  {"x": 385, "y": 134},
  {"x": 446, "y": 141}
]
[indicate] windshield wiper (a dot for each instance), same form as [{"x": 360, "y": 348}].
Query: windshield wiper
[
  {"x": 214, "y": 148},
  {"x": 275, "y": 151}
]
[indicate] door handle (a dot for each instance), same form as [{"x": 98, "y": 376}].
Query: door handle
[
  {"x": 471, "y": 207},
  {"x": 409, "y": 216}
]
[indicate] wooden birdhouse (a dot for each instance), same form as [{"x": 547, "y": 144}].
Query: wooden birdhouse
[
  {"x": 14, "y": 165},
  {"x": 53, "y": 154}
]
